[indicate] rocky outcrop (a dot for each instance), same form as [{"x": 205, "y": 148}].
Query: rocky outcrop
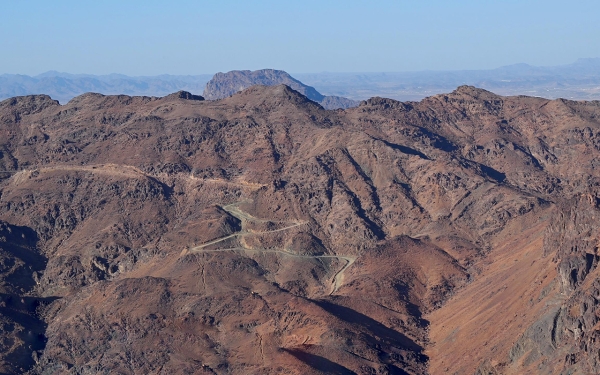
[{"x": 184, "y": 95}]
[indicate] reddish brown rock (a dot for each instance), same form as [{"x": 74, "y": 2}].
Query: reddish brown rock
[{"x": 263, "y": 234}]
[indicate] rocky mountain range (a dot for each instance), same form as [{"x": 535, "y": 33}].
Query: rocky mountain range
[{"x": 264, "y": 234}]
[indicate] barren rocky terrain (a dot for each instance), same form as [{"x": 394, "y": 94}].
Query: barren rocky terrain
[{"x": 264, "y": 234}]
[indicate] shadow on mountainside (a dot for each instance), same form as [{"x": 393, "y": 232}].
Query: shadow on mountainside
[
  {"x": 22, "y": 332},
  {"x": 319, "y": 363},
  {"x": 377, "y": 331}
]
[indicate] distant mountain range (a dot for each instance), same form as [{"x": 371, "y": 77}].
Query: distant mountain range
[
  {"x": 579, "y": 80},
  {"x": 63, "y": 86}
]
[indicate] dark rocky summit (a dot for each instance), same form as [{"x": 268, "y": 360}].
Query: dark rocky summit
[
  {"x": 223, "y": 85},
  {"x": 263, "y": 234}
]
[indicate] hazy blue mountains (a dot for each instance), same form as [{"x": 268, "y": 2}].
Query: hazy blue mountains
[{"x": 577, "y": 81}]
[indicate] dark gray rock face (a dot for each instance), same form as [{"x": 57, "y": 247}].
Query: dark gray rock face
[
  {"x": 335, "y": 102},
  {"x": 223, "y": 85},
  {"x": 185, "y": 95}
]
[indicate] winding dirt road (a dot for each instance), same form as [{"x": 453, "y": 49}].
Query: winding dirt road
[{"x": 234, "y": 210}]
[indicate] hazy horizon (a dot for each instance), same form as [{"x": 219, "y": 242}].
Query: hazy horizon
[
  {"x": 579, "y": 80},
  {"x": 151, "y": 38},
  {"x": 516, "y": 64}
]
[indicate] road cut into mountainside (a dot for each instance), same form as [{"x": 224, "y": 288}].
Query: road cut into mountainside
[{"x": 244, "y": 217}]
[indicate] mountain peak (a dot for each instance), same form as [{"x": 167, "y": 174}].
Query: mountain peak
[
  {"x": 473, "y": 91},
  {"x": 184, "y": 95},
  {"x": 223, "y": 85},
  {"x": 30, "y": 103},
  {"x": 272, "y": 96}
]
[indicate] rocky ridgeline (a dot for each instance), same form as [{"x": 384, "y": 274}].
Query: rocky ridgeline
[{"x": 261, "y": 233}]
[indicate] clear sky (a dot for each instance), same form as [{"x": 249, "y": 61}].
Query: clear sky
[{"x": 194, "y": 37}]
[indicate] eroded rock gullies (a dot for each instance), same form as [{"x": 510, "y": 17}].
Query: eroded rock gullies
[{"x": 261, "y": 233}]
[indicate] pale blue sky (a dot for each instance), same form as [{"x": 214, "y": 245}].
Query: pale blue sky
[{"x": 195, "y": 37}]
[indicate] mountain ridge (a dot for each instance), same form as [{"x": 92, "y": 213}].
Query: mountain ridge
[{"x": 261, "y": 233}]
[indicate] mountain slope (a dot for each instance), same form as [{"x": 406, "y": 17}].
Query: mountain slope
[{"x": 261, "y": 233}]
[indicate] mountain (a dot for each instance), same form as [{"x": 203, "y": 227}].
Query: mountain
[
  {"x": 223, "y": 85},
  {"x": 261, "y": 233}
]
